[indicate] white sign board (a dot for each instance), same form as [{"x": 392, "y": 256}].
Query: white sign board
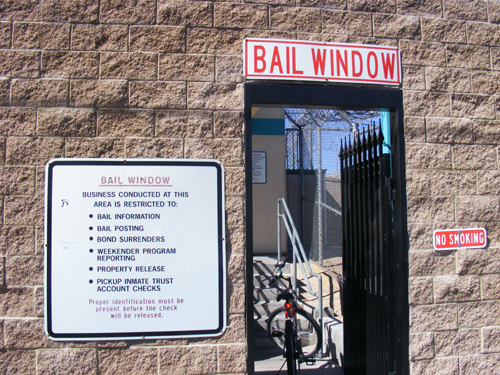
[
  {"x": 134, "y": 249},
  {"x": 259, "y": 167},
  {"x": 320, "y": 61}
]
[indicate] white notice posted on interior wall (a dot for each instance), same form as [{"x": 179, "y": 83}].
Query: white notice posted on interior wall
[
  {"x": 259, "y": 167},
  {"x": 134, "y": 249}
]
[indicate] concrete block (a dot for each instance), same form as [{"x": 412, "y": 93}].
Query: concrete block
[
  {"x": 128, "y": 12},
  {"x": 39, "y": 93},
  {"x": 348, "y": 23},
  {"x": 70, "y": 11},
  {"x": 198, "y": 359},
  {"x": 130, "y": 361},
  {"x": 158, "y": 94},
  {"x": 17, "y": 121},
  {"x": 132, "y": 66},
  {"x": 33, "y": 151},
  {"x": 99, "y": 37},
  {"x": 431, "y": 8},
  {"x": 185, "y": 13},
  {"x": 242, "y": 16},
  {"x": 400, "y": 27},
  {"x": 99, "y": 93},
  {"x": 70, "y": 65},
  {"x": 169, "y": 39},
  {"x": 154, "y": 148},
  {"x": 95, "y": 148},
  {"x": 125, "y": 123},
  {"x": 187, "y": 67},
  {"x": 444, "y": 31},
  {"x": 333, "y": 337},
  {"x": 47, "y": 36},
  {"x": 469, "y": 10},
  {"x": 20, "y": 64},
  {"x": 454, "y": 343}
]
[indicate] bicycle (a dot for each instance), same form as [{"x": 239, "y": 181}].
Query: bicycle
[{"x": 291, "y": 328}]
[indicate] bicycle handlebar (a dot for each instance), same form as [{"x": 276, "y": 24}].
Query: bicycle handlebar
[
  {"x": 280, "y": 265},
  {"x": 278, "y": 274}
]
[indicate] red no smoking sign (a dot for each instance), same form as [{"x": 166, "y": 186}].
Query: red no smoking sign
[{"x": 470, "y": 238}]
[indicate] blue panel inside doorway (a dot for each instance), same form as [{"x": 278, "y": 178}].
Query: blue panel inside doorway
[
  {"x": 268, "y": 126},
  {"x": 385, "y": 125}
]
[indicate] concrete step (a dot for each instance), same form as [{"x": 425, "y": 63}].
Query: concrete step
[
  {"x": 263, "y": 309},
  {"x": 263, "y": 342},
  {"x": 263, "y": 295},
  {"x": 260, "y": 325},
  {"x": 264, "y": 282},
  {"x": 270, "y": 292},
  {"x": 261, "y": 337},
  {"x": 264, "y": 265},
  {"x": 265, "y": 301},
  {"x": 333, "y": 338}
]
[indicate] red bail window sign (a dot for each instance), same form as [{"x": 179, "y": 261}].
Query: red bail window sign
[
  {"x": 321, "y": 61},
  {"x": 450, "y": 239}
]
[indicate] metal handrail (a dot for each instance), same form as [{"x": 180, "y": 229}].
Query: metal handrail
[{"x": 300, "y": 254}]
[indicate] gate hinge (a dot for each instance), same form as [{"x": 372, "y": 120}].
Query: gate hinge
[{"x": 391, "y": 193}]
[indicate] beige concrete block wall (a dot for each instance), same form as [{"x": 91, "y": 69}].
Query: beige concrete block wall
[
  {"x": 117, "y": 79},
  {"x": 162, "y": 78},
  {"x": 451, "y": 103}
]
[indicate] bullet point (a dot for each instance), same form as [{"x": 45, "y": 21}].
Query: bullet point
[
  {"x": 91, "y": 238},
  {"x": 91, "y": 268},
  {"x": 91, "y": 281},
  {"x": 91, "y": 250},
  {"x": 91, "y": 216},
  {"x": 90, "y": 228}
]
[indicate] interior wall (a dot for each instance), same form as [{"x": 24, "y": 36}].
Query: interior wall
[{"x": 265, "y": 196}]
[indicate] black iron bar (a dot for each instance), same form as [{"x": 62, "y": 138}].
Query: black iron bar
[{"x": 368, "y": 256}]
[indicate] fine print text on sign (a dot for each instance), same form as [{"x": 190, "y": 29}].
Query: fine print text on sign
[
  {"x": 321, "y": 61},
  {"x": 259, "y": 167},
  {"x": 134, "y": 248},
  {"x": 451, "y": 239}
]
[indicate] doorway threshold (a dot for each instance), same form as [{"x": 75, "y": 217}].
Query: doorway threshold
[{"x": 270, "y": 361}]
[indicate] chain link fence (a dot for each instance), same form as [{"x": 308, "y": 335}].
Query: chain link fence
[{"x": 313, "y": 140}]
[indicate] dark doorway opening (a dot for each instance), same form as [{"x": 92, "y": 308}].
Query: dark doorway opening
[{"x": 293, "y": 95}]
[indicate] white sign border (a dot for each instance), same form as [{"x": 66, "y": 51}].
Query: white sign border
[{"x": 222, "y": 302}]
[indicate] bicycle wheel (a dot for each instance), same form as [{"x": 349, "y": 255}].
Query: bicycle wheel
[
  {"x": 291, "y": 364},
  {"x": 308, "y": 331}
]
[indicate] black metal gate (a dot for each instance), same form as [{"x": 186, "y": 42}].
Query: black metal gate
[{"x": 370, "y": 288}]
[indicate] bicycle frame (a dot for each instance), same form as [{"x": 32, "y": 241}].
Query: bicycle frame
[{"x": 290, "y": 309}]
